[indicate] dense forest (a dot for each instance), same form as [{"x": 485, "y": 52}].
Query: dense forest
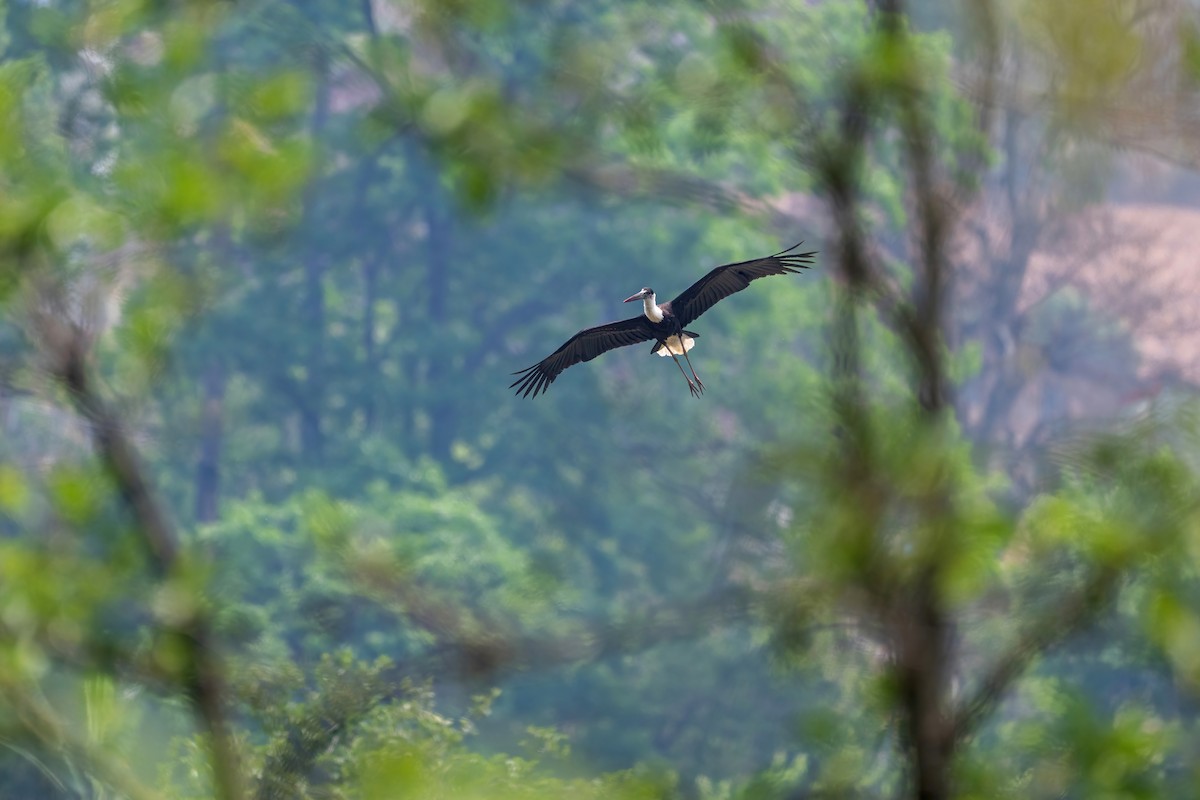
[{"x": 273, "y": 523}]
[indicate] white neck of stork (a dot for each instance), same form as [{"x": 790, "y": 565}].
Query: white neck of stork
[{"x": 653, "y": 312}]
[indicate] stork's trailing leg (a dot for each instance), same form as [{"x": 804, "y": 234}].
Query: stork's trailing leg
[
  {"x": 691, "y": 386},
  {"x": 693, "y": 369}
]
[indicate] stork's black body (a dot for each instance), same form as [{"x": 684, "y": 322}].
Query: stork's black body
[{"x": 663, "y": 324}]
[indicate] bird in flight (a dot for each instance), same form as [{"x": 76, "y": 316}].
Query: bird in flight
[{"x": 664, "y": 324}]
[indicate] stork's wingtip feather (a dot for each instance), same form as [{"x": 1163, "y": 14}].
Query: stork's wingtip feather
[
  {"x": 797, "y": 261},
  {"x": 790, "y": 249}
]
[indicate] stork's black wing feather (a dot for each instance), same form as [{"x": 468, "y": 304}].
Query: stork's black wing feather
[
  {"x": 724, "y": 281},
  {"x": 583, "y": 346}
]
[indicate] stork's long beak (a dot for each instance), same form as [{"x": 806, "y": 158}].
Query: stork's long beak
[{"x": 637, "y": 296}]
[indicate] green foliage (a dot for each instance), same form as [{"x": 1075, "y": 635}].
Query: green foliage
[{"x": 304, "y": 243}]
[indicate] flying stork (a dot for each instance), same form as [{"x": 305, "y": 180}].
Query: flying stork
[{"x": 664, "y": 324}]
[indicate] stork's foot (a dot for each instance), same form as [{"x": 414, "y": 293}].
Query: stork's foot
[
  {"x": 692, "y": 388},
  {"x": 699, "y": 383}
]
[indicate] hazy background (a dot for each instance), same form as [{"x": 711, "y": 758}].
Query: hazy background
[{"x": 273, "y": 525}]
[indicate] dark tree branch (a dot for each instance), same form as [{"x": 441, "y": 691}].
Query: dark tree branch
[
  {"x": 918, "y": 627},
  {"x": 664, "y": 184},
  {"x": 1070, "y": 614},
  {"x": 67, "y": 349}
]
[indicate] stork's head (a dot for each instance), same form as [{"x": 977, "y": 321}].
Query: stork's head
[{"x": 644, "y": 293}]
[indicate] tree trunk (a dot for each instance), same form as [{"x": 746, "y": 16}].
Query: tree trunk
[
  {"x": 370, "y": 278},
  {"x": 208, "y": 467},
  {"x": 313, "y": 306},
  {"x": 922, "y": 656},
  {"x": 439, "y": 228}
]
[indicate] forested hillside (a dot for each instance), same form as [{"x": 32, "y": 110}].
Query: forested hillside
[{"x": 273, "y": 523}]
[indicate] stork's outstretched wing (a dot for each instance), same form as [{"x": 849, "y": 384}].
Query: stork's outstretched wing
[
  {"x": 724, "y": 281},
  {"x": 583, "y": 346}
]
